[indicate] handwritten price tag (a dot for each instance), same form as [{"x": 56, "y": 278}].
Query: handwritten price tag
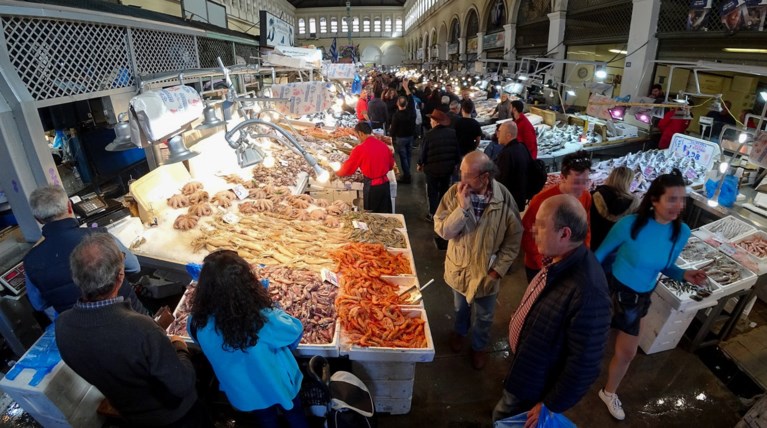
[
  {"x": 360, "y": 225},
  {"x": 241, "y": 192},
  {"x": 329, "y": 276},
  {"x": 728, "y": 249},
  {"x": 230, "y": 218}
]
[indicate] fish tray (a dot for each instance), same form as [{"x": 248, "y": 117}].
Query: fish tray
[
  {"x": 758, "y": 234},
  {"x": 746, "y": 281},
  {"x": 706, "y": 254},
  {"x": 374, "y": 353},
  {"x": 683, "y": 302},
  {"x": 729, "y": 228}
]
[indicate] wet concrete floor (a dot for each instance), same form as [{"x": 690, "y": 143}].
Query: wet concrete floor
[{"x": 667, "y": 389}]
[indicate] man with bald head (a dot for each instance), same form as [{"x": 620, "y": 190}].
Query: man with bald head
[
  {"x": 480, "y": 220},
  {"x": 513, "y": 162},
  {"x": 558, "y": 333}
]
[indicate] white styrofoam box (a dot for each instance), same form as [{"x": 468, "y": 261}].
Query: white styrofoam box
[
  {"x": 351, "y": 197},
  {"x": 56, "y": 397},
  {"x": 385, "y": 370},
  {"x": 747, "y": 280},
  {"x": 397, "y": 389},
  {"x": 84, "y": 416},
  {"x": 664, "y": 326},
  {"x": 394, "y": 406},
  {"x": 153, "y": 189},
  {"x": 374, "y": 353},
  {"x": 738, "y": 227},
  {"x": 749, "y": 260},
  {"x": 683, "y": 302}
]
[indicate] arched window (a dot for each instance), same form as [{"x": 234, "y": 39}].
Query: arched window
[
  {"x": 455, "y": 31},
  {"x": 333, "y": 25},
  {"x": 345, "y": 24},
  {"x": 387, "y": 24},
  {"x": 496, "y": 17},
  {"x": 301, "y": 26},
  {"x": 323, "y": 25},
  {"x": 398, "y": 25},
  {"x": 376, "y": 25},
  {"x": 472, "y": 24},
  {"x": 312, "y": 26},
  {"x": 356, "y": 24},
  {"x": 365, "y": 25}
]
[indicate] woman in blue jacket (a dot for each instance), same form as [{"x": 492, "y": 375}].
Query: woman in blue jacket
[
  {"x": 247, "y": 340},
  {"x": 647, "y": 243}
]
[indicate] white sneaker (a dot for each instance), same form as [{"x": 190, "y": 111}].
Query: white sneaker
[{"x": 613, "y": 405}]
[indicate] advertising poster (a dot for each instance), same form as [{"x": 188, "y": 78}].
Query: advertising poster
[
  {"x": 697, "y": 18},
  {"x": 274, "y": 31},
  {"x": 734, "y": 14},
  {"x": 755, "y": 14}
]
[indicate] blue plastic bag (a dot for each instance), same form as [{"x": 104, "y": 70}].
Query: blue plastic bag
[
  {"x": 546, "y": 419},
  {"x": 42, "y": 358},
  {"x": 193, "y": 269}
]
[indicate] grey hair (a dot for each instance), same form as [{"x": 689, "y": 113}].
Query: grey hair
[
  {"x": 455, "y": 105},
  {"x": 48, "y": 203},
  {"x": 571, "y": 214},
  {"x": 96, "y": 264}
]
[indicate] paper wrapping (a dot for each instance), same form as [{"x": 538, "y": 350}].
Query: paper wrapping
[
  {"x": 304, "y": 97},
  {"x": 163, "y": 112}
]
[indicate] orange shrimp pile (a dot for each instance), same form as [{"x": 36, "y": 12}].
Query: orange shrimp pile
[
  {"x": 371, "y": 260},
  {"x": 368, "y": 306}
]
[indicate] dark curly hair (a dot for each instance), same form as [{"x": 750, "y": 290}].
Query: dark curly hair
[
  {"x": 229, "y": 293},
  {"x": 657, "y": 189}
]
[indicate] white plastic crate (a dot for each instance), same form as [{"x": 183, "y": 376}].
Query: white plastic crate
[
  {"x": 390, "y": 384},
  {"x": 373, "y": 353},
  {"x": 729, "y": 228}
]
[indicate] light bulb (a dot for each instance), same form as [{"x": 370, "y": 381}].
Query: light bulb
[
  {"x": 269, "y": 162},
  {"x": 742, "y": 137},
  {"x": 335, "y": 165},
  {"x": 600, "y": 74},
  {"x": 712, "y": 203},
  {"x": 723, "y": 167},
  {"x": 523, "y": 77},
  {"x": 323, "y": 176}
]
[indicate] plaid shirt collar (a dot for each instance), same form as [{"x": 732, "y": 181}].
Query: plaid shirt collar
[
  {"x": 479, "y": 202},
  {"x": 99, "y": 303}
]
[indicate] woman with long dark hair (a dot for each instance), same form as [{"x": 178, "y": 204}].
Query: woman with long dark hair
[
  {"x": 247, "y": 340},
  {"x": 647, "y": 243}
]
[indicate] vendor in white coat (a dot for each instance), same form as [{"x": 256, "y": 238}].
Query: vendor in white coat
[{"x": 480, "y": 219}]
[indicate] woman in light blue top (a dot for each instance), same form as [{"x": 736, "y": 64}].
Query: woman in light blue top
[
  {"x": 248, "y": 341},
  {"x": 647, "y": 243}
]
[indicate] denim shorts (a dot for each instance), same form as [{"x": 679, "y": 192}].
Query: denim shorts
[{"x": 629, "y": 307}]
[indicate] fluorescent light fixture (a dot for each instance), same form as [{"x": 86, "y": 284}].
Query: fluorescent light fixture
[
  {"x": 600, "y": 73},
  {"x": 522, "y": 77},
  {"x": 571, "y": 92},
  {"x": 745, "y": 50},
  {"x": 322, "y": 175},
  {"x": 763, "y": 94},
  {"x": 617, "y": 51}
]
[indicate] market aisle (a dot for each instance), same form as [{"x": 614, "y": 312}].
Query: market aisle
[{"x": 668, "y": 389}]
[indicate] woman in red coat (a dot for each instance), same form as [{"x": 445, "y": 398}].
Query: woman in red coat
[{"x": 669, "y": 126}]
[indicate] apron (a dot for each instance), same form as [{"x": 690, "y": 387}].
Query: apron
[{"x": 376, "y": 198}]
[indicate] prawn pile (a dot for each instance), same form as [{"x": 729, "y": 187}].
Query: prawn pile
[
  {"x": 367, "y": 306},
  {"x": 381, "y": 230},
  {"x": 755, "y": 245}
]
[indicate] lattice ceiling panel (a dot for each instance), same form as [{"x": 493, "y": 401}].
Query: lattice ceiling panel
[
  {"x": 56, "y": 58},
  {"x": 246, "y": 52}
]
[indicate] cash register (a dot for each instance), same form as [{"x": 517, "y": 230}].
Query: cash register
[{"x": 93, "y": 209}]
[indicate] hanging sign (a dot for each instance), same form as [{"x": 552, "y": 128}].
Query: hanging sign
[{"x": 274, "y": 31}]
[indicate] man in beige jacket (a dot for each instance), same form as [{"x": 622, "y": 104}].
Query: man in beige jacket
[{"x": 480, "y": 219}]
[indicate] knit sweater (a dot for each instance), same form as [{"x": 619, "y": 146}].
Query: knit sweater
[{"x": 130, "y": 360}]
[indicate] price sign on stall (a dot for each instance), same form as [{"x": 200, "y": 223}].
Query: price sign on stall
[{"x": 701, "y": 151}]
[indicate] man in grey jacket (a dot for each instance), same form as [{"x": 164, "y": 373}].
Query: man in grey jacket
[{"x": 479, "y": 253}]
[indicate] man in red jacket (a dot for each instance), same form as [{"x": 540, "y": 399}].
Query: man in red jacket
[
  {"x": 374, "y": 159},
  {"x": 525, "y": 129},
  {"x": 669, "y": 126}
]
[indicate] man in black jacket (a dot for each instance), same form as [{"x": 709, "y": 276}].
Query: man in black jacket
[
  {"x": 512, "y": 162},
  {"x": 439, "y": 157},
  {"x": 148, "y": 378},
  {"x": 558, "y": 333},
  {"x": 377, "y": 111},
  {"x": 402, "y": 131}
]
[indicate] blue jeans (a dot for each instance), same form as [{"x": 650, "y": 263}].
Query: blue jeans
[
  {"x": 404, "y": 147},
  {"x": 268, "y": 418},
  {"x": 484, "y": 307}
]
